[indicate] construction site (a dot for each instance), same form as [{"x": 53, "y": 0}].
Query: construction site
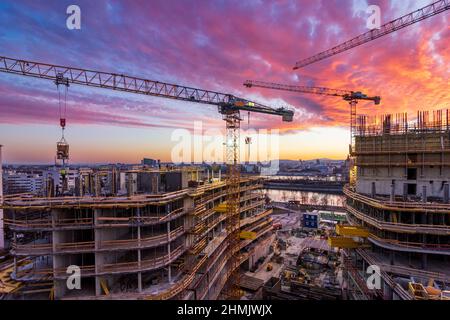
[
  {"x": 398, "y": 200},
  {"x": 183, "y": 232},
  {"x": 161, "y": 241}
]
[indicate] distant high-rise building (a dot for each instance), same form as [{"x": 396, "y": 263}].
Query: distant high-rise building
[
  {"x": 149, "y": 162},
  {"x": 20, "y": 182}
]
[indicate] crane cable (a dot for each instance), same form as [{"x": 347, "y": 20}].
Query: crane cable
[
  {"x": 62, "y": 147},
  {"x": 62, "y": 109},
  {"x": 248, "y": 139}
]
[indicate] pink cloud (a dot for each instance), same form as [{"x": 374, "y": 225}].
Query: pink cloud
[{"x": 218, "y": 45}]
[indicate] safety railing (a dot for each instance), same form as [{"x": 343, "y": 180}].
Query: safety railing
[
  {"x": 89, "y": 246},
  {"x": 397, "y": 205},
  {"x": 47, "y": 223},
  {"x": 399, "y": 227},
  {"x": 434, "y": 247},
  {"x": 26, "y": 202},
  {"x": 120, "y": 267},
  {"x": 103, "y": 221}
]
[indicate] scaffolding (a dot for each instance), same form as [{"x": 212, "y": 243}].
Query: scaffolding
[
  {"x": 391, "y": 124},
  {"x": 176, "y": 236}
]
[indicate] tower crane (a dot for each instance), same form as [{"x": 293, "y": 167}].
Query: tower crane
[
  {"x": 387, "y": 28},
  {"x": 351, "y": 96},
  {"x": 229, "y": 106}
]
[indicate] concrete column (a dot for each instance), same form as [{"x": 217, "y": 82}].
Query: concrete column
[
  {"x": 424, "y": 194},
  {"x": 59, "y": 261},
  {"x": 220, "y": 174},
  {"x": 405, "y": 191},
  {"x": 14, "y": 242},
  {"x": 2, "y": 232},
  {"x": 168, "y": 251},
  {"x": 138, "y": 214},
  {"x": 374, "y": 191},
  {"x": 392, "y": 198},
  {"x": 446, "y": 193},
  {"x": 97, "y": 239}
]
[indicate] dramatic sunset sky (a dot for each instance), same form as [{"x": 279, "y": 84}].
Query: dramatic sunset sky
[{"x": 214, "y": 45}]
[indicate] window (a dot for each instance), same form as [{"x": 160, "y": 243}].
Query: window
[
  {"x": 412, "y": 173},
  {"x": 412, "y": 188}
]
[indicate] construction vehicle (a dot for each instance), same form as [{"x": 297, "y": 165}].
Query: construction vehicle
[
  {"x": 418, "y": 291},
  {"x": 385, "y": 29},
  {"x": 429, "y": 292},
  {"x": 228, "y": 105}
]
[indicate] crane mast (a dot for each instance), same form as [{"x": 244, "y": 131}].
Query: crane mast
[
  {"x": 228, "y": 105},
  {"x": 351, "y": 96},
  {"x": 387, "y": 28}
]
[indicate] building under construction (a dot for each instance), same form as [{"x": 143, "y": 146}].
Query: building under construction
[
  {"x": 138, "y": 234},
  {"x": 399, "y": 201}
]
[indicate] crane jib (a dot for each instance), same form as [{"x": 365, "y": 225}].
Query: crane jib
[
  {"x": 413, "y": 17},
  {"x": 113, "y": 81}
]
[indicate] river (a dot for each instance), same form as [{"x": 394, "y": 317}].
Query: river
[
  {"x": 304, "y": 197},
  {"x": 312, "y": 178}
]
